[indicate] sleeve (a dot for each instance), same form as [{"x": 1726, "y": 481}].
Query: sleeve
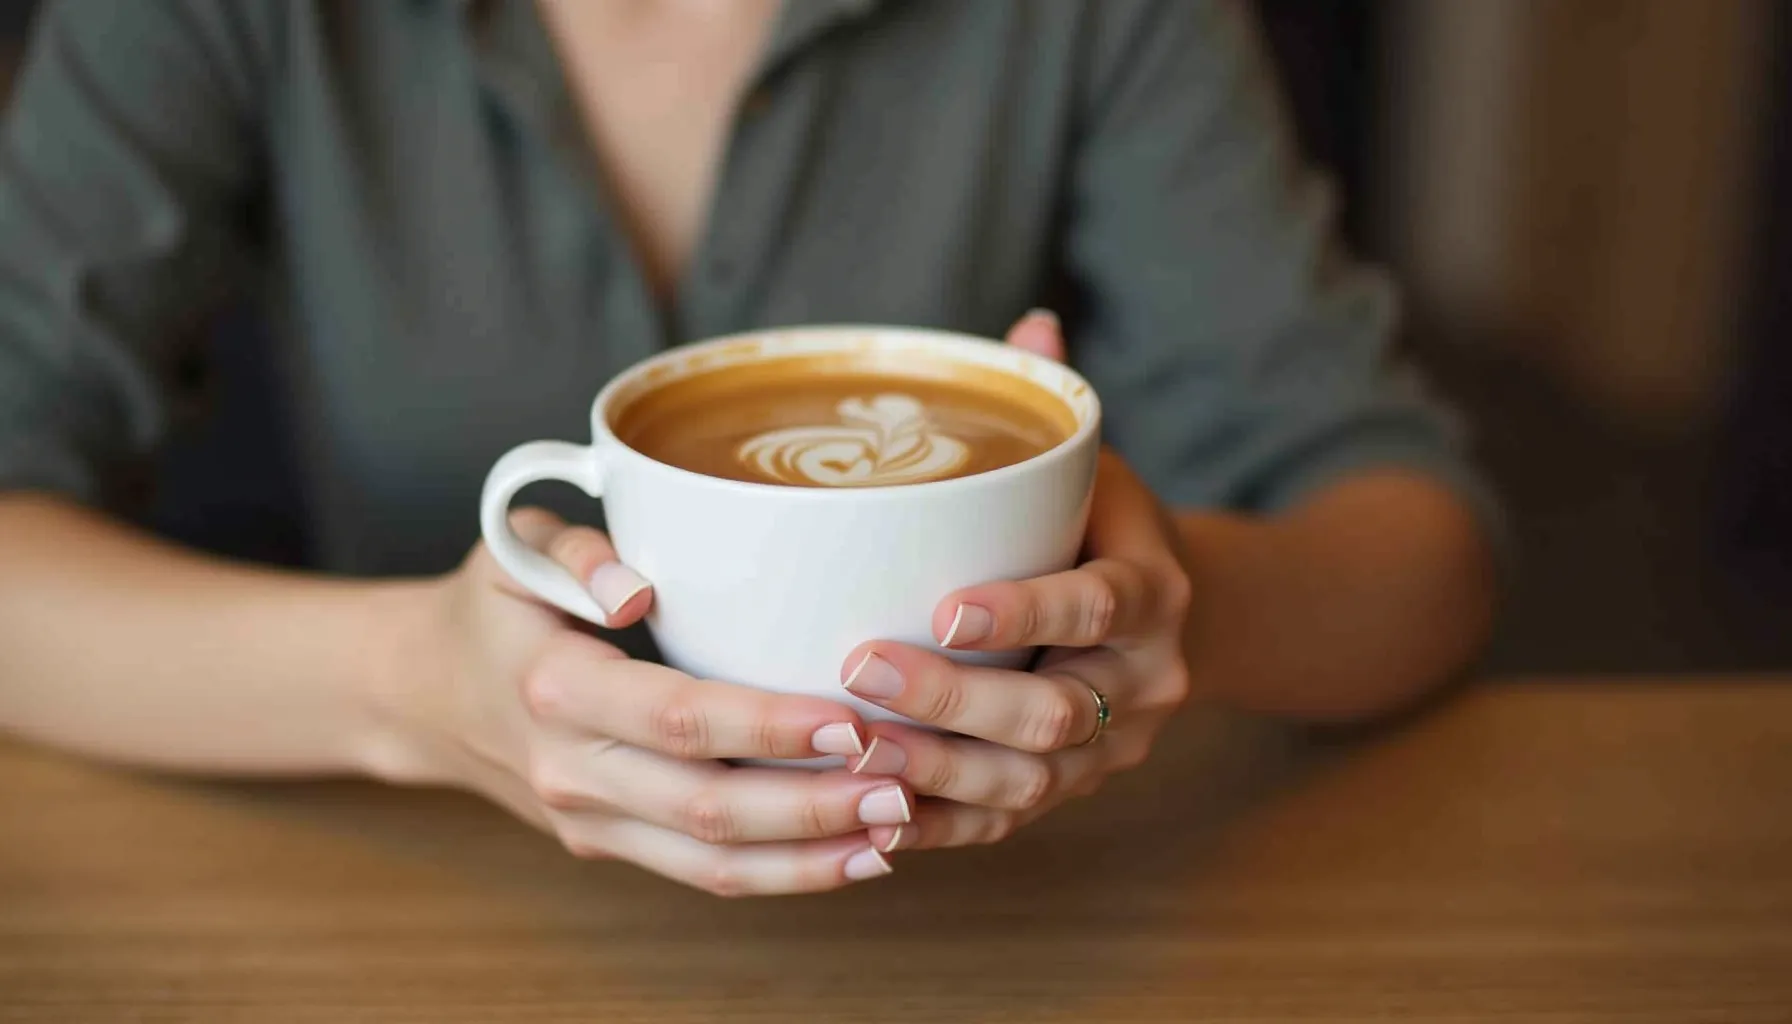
[
  {"x": 127, "y": 160},
  {"x": 1242, "y": 358}
]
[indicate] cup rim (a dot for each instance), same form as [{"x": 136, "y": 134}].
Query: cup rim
[{"x": 949, "y": 341}]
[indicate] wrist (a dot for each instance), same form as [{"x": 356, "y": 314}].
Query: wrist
[{"x": 399, "y": 647}]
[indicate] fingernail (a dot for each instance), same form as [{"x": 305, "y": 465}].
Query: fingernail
[
  {"x": 840, "y": 739},
  {"x": 894, "y": 842},
  {"x": 867, "y": 863},
  {"x": 615, "y": 584},
  {"x": 1041, "y": 313},
  {"x": 969, "y": 625},
  {"x": 874, "y": 678},
  {"x": 887, "y": 805},
  {"x": 882, "y": 758}
]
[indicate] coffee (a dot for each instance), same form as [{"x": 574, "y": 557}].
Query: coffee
[{"x": 844, "y": 420}]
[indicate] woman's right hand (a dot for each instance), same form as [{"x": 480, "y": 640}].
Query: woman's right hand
[{"x": 497, "y": 692}]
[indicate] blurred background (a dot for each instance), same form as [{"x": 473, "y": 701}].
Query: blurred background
[{"x": 1582, "y": 198}]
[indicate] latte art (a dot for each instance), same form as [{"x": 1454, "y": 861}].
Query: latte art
[
  {"x": 843, "y": 421},
  {"x": 879, "y": 442}
]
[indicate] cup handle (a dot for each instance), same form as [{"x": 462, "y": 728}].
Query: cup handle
[{"x": 577, "y": 464}]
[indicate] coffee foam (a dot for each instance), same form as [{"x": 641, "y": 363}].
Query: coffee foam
[
  {"x": 880, "y": 423},
  {"x": 885, "y": 440}
]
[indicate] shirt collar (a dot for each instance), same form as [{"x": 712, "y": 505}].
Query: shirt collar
[{"x": 802, "y": 22}]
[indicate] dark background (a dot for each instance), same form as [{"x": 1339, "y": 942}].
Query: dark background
[{"x": 1638, "y": 550}]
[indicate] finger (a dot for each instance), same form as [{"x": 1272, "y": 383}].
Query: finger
[
  {"x": 583, "y": 685},
  {"x": 715, "y": 803},
  {"x": 1135, "y": 586},
  {"x": 986, "y": 774},
  {"x": 765, "y": 869},
  {"x": 1039, "y": 333},
  {"x": 966, "y": 771},
  {"x": 941, "y": 823},
  {"x": 1096, "y": 603},
  {"x": 589, "y": 557},
  {"x": 1037, "y": 712},
  {"x": 1127, "y": 522}
]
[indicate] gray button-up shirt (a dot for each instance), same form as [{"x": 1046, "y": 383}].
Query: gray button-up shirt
[{"x": 408, "y": 185}]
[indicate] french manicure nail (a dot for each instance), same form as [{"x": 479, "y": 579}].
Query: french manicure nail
[
  {"x": 882, "y": 758},
  {"x": 887, "y": 805},
  {"x": 615, "y": 584},
  {"x": 969, "y": 625},
  {"x": 840, "y": 739},
  {"x": 1041, "y": 313},
  {"x": 875, "y": 678},
  {"x": 867, "y": 863},
  {"x": 895, "y": 840}
]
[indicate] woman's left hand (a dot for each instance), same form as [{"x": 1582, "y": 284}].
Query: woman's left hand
[{"x": 1113, "y": 628}]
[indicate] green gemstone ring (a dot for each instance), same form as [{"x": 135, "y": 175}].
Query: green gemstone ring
[{"x": 1102, "y": 714}]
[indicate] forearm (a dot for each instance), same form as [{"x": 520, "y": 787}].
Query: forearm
[
  {"x": 122, "y": 647},
  {"x": 1355, "y": 603}
]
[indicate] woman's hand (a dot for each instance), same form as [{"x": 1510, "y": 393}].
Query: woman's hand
[
  {"x": 1114, "y": 627},
  {"x": 619, "y": 758}
]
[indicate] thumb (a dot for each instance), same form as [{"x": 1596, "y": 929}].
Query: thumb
[
  {"x": 1039, "y": 333},
  {"x": 588, "y": 556}
]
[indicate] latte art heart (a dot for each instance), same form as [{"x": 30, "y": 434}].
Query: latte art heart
[{"x": 882, "y": 441}]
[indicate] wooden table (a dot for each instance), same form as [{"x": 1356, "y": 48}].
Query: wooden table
[{"x": 1553, "y": 851}]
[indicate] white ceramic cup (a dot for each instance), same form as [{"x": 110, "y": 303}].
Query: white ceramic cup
[{"x": 772, "y": 586}]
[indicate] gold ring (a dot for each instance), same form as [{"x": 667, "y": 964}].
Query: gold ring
[{"x": 1102, "y": 714}]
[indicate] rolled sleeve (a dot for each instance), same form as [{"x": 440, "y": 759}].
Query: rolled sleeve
[
  {"x": 1244, "y": 360},
  {"x": 126, "y": 159}
]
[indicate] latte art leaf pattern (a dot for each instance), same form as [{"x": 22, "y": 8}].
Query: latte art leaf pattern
[{"x": 881, "y": 441}]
